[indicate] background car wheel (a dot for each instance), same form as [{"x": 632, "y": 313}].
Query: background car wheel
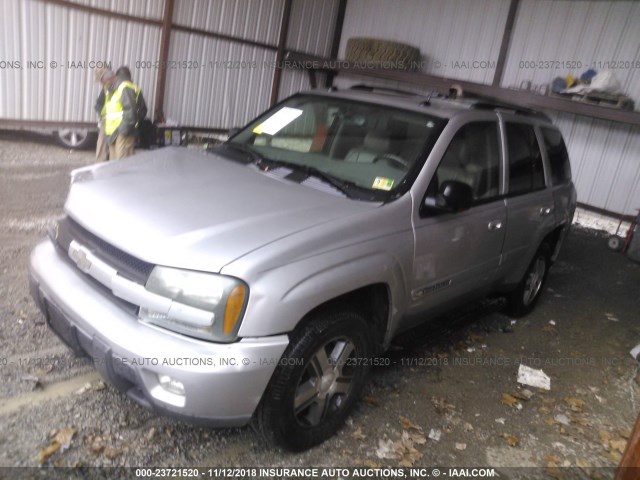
[
  {"x": 615, "y": 242},
  {"x": 317, "y": 382},
  {"x": 75, "y": 138},
  {"x": 522, "y": 300}
]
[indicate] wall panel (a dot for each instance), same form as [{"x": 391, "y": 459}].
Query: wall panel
[
  {"x": 257, "y": 20},
  {"x": 231, "y": 84},
  {"x": 570, "y": 36},
  {"x": 62, "y": 42}
]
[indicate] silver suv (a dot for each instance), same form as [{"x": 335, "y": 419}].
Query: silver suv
[{"x": 260, "y": 280}]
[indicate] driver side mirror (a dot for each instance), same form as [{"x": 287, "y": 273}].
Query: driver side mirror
[{"x": 452, "y": 196}]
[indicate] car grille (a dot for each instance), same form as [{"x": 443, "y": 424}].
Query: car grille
[{"x": 127, "y": 265}]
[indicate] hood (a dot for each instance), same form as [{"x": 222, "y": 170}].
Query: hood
[{"x": 190, "y": 209}]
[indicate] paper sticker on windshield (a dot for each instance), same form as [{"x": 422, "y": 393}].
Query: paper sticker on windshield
[
  {"x": 381, "y": 183},
  {"x": 278, "y": 121}
]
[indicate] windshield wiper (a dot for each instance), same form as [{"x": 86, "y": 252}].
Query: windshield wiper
[
  {"x": 345, "y": 186},
  {"x": 349, "y": 188},
  {"x": 254, "y": 157}
]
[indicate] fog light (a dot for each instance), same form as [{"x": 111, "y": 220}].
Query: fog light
[{"x": 171, "y": 385}]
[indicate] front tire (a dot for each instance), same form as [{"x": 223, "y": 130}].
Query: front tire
[
  {"x": 318, "y": 381},
  {"x": 522, "y": 300}
]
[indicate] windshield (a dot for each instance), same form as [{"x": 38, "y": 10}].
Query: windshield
[{"x": 375, "y": 149}]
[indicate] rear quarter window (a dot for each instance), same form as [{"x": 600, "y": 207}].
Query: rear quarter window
[{"x": 558, "y": 156}]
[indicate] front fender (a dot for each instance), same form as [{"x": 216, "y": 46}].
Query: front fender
[{"x": 281, "y": 297}]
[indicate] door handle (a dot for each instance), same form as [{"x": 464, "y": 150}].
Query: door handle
[
  {"x": 544, "y": 211},
  {"x": 495, "y": 225}
]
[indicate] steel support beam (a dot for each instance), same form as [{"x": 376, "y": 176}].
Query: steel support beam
[
  {"x": 337, "y": 38},
  {"x": 103, "y": 12},
  {"x": 506, "y": 41},
  {"x": 282, "y": 45},
  {"x": 165, "y": 39},
  {"x": 222, "y": 36}
]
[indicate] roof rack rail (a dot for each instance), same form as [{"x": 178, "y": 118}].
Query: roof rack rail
[
  {"x": 485, "y": 104},
  {"x": 371, "y": 88}
]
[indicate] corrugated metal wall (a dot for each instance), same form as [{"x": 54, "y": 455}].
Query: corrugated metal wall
[
  {"x": 138, "y": 8},
  {"x": 453, "y": 34},
  {"x": 228, "y": 83},
  {"x": 231, "y": 85},
  {"x": 311, "y": 31},
  {"x": 53, "y": 36},
  {"x": 247, "y": 19},
  {"x": 605, "y": 159},
  {"x": 225, "y": 83},
  {"x": 211, "y": 82},
  {"x": 233, "y": 82},
  {"x": 575, "y": 36},
  {"x": 586, "y": 34},
  {"x": 450, "y": 34}
]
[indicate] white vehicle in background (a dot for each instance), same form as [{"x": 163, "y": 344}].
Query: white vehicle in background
[{"x": 76, "y": 138}]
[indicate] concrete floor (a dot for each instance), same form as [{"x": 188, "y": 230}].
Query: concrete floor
[{"x": 457, "y": 376}]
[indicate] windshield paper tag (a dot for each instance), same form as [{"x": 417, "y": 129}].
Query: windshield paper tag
[
  {"x": 381, "y": 183},
  {"x": 278, "y": 121}
]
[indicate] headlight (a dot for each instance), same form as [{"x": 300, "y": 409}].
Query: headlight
[{"x": 205, "y": 305}]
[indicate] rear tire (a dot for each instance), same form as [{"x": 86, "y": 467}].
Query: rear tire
[
  {"x": 317, "y": 383},
  {"x": 522, "y": 300}
]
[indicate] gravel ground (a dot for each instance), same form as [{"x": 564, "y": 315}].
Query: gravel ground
[{"x": 457, "y": 377}]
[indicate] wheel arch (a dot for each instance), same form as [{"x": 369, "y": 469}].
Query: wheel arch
[
  {"x": 372, "y": 301},
  {"x": 555, "y": 238},
  {"x": 284, "y": 298}
]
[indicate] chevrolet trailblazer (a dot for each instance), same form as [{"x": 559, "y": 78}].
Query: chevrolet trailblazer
[{"x": 260, "y": 278}]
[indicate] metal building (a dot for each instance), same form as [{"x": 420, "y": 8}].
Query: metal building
[
  {"x": 549, "y": 38},
  {"x": 219, "y": 59},
  {"x": 213, "y": 64}
]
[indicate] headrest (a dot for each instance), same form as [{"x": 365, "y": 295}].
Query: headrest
[{"x": 376, "y": 141}]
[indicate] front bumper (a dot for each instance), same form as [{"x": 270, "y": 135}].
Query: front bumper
[{"x": 223, "y": 383}]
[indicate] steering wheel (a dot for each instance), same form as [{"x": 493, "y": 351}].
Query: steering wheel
[{"x": 394, "y": 160}]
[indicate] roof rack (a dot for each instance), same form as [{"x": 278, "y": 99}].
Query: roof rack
[
  {"x": 487, "y": 104},
  {"x": 456, "y": 93},
  {"x": 371, "y": 88}
]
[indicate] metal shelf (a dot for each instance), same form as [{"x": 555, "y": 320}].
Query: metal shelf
[{"x": 499, "y": 94}]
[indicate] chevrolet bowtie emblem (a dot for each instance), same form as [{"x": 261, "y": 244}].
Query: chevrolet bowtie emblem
[{"x": 79, "y": 255}]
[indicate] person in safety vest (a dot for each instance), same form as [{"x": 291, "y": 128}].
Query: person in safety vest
[
  {"x": 121, "y": 117},
  {"x": 141, "y": 111},
  {"x": 106, "y": 77}
]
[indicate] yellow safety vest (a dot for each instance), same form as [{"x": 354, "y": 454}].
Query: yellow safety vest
[{"x": 113, "y": 107}]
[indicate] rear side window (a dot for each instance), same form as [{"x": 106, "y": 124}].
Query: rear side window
[
  {"x": 558, "y": 156},
  {"x": 526, "y": 172}
]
